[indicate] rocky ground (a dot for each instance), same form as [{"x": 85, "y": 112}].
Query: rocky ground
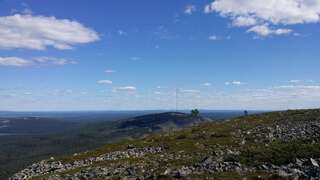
[{"x": 279, "y": 145}]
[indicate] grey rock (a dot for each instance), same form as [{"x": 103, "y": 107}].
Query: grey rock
[{"x": 314, "y": 162}]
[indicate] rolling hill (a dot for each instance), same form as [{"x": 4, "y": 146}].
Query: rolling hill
[
  {"x": 276, "y": 145},
  {"x": 41, "y": 138}
]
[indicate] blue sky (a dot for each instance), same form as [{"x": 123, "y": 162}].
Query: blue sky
[{"x": 133, "y": 55}]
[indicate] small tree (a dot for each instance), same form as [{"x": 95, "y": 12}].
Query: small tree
[
  {"x": 195, "y": 112},
  {"x": 246, "y": 113}
]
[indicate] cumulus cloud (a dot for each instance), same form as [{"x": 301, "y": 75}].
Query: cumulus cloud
[
  {"x": 258, "y": 13},
  {"x": 40, "y": 32},
  {"x": 265, "y": 30},
  {"x": 190, "y": 9},
  {"x": 104, "y": 82},
  {"x": 34, "y": 61},
  {"x": 14, "y": 61},
  {"x": 244, "y": 21}
]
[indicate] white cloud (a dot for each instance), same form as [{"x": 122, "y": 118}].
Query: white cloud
[
  {"x": 157, "y": 92},
  {"x": 191, "y": 91},
  {"x": 244, "y": 21},
  {"x": 296, "y": 87},
  {"x": 213, "y": 38},
  {"x": 122, "y": 33},
  {"x": 14, "y": 61},
  {"x": 23, "y": 11},
  {"x": 297, "y": 81},
  {"x": 40, "y": 32},
  {"x": 265, "y": 30},
  {"x": 60, "y": 92},
  {"x": 34, "y": 61},
  {"x": 217, "y": 38},
  {"x": 109, "y": 71},
  {"x": 135, "y": 58},
  {"x": 83, "y": 93},
  {"x": 234, "y": 83},
  {"x": 206, "y": 84},
  {"x": 104, "y": 82},
  {"x": 272, "y": 12},
  {"x": 128, "y": 89},
  {"x": 52, "y": 60},
  {"x": 282, "y": 31},
  {"x": 294, "y": 81},
  {"x": 190, "y": 9}
]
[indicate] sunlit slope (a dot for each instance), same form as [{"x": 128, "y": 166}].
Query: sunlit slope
[{"x": 271, "y": 145}]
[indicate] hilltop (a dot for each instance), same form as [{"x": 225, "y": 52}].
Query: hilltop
[
  {"x": 162, "y": 121},
  {"x": 274, "y": 145}
]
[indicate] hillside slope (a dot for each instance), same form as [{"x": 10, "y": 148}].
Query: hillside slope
[
  {"x": 275, "y": 145},
  {"x": 19, "y": 151}
]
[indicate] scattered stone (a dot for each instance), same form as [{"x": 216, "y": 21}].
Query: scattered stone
[
  {"x": 167, "y": 171},
  {"x": 45, "y": 167},
  {"x": 314, "y": 162},
  {"x": 299, "y": 162}
]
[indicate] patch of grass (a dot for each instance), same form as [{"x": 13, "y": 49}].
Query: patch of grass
[
  {"x": 259, "y": 175},
  {"x": 277, "y": 153}
]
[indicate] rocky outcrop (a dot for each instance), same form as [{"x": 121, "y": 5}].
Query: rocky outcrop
[
  {"x": 51, "y": 166},
  {"x": 305, "y": 130}
]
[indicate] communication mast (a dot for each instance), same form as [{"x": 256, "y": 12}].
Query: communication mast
[{"x": 176, "y": 99}]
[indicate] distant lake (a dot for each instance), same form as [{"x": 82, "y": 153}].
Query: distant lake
[
  {"x": 5, "y": 134},
  {"x": 10, "y": 134}
]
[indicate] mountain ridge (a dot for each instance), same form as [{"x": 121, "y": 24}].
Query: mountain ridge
[{"x": 160, "y": 120}]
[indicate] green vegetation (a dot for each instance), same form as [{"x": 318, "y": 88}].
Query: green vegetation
[
  {"x": 191, "y": 145},
  {"x": 277, "y": 153},
  {"x": 195, "y": 112},
  {"x": 18, "y": 152},
  {"x": 244, "y": 140}
]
